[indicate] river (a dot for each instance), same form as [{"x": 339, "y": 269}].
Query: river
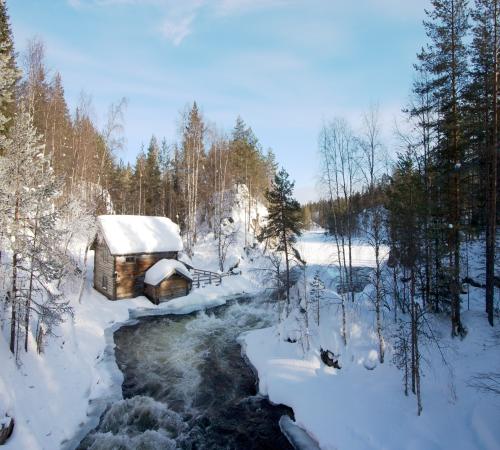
[{"x": 186, "y": 385}]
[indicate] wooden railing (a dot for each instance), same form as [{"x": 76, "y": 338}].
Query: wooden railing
[{"x": 203, "y": 277}]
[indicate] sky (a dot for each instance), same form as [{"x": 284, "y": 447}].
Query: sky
[{"x": 285, "y": 66}]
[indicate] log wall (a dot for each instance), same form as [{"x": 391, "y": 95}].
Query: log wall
[
  {"x": 173, "y": 287},
  {"x": 131, "y": 269},
  {"x": 104, "y": 270}
]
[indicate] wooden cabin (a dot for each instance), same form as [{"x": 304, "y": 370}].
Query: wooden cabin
[
  {"x": 167, "y": 279},
  {"x": 126, "y": 247}
]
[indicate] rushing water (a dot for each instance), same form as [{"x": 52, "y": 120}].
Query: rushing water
[{"x": 187, "y": 386}]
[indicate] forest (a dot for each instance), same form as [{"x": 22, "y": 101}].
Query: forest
[
  {"x": 440, "y": 190},
  {"x": 59, "y": 170},
  {"x": 428, "y": 200}
]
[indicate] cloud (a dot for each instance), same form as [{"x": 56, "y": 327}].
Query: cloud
[
  {"x": 176, "y": 30},
  {"x": 179, "y": 16},
  {"x": 231, "y": 7}
]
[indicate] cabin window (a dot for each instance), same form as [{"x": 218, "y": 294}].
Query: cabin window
[
  {"x": 130, "y": 259},
  {"x": 104, "y": 283}
]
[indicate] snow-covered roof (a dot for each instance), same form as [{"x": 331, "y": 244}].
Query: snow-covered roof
[
  {"x": 165, "y": 268},
  {"x": 126, "y": 235}
]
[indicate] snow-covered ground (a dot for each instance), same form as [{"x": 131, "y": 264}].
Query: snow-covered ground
[
  {"x": 362, "y": 405},
  {"x": 57, "y": 397},
  {"x": 62, "y": 392}
]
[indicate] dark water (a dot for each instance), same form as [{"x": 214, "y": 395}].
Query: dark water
[{"x": 187, "y": 386}]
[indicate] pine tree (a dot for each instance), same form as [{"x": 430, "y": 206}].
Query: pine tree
[
  {"x": 445, "y": 59},
  {"x": 284, "y": 222},
  {"x": 9, "y": 73},
  {"x": 484, "y": 92}
]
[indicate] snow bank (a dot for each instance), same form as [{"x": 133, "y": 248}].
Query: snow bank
[
  {"x": 56, "y": 398},
  {"x": 164, "y": 269},
  {"x": 362, "y": 406},
  {"x": 139, "y": 234}
]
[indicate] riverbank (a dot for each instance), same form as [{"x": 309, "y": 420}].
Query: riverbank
[
  {"x": 362, "y": 405},
  {"x": 185, "y": 384},
  {"x": 58, "y": 396},
  {"x": 61, "y": 394}
]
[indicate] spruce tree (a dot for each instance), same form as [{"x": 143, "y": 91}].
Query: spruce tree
[
  {"x": 193, "y": 155},
  {"x": 152, "y": 176},
  {"x": 284, "y": 222},
  {"x": 317, "y": 292},
  {"x": 9, "y": 73},
  {"x": 29, "y": 215}
]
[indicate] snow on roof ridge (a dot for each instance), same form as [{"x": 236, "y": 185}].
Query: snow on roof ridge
[
  {"x": 128, "y": 234},
  {"x": 165, "y": 268}
]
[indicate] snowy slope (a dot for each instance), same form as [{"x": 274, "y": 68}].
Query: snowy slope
[
  {"x": 62, "y": 392},
  {"x": 362, "y": 406},
  {"x": 57, "y": 397}
]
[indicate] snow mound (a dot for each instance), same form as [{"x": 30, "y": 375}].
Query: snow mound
[
  {"x": 164, "y": 269},
  {"x": 299, "y": 439},
  {"x": 126, "y": 235}
]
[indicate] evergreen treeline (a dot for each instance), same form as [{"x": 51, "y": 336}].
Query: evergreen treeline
[
  {"x": 58, "y": 170},
  {"x": 443, "y": 186},
  {"x": 180, "y": 180},
  {"x": 441, "y": 190},
  {"x": 445, "y": 182}
]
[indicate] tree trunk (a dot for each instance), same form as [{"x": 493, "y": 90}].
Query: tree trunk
[
  {"x": 13, "y": 290},
  {"x": 30, "y": 288},
  {"x": 378, "y": 304},
  {"x": 413, "y": 333},
  {"x": 492, "y": 177},
  {"x": 287, "y": 266}
]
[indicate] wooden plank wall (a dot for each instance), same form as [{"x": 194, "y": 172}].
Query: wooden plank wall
[
  {"x": 175, "y": 286},
  {"x": 131, "y": 269},
  {"x": 104, "y": 270}
]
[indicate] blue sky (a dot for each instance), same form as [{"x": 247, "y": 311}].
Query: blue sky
[{"x": 285, "y": 66}]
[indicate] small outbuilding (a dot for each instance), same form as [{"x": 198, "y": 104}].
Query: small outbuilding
[
  {"x": 127, "y": 246},
  {"x": 167, "y": 279}
]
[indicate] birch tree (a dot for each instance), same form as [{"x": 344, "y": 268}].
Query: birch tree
[
  {"x": 371, "y": 148},
  {"x": 193, "y": 153}
]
